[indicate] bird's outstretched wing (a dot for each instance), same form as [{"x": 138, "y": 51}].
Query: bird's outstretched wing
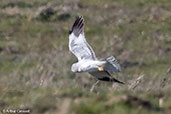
[
  {"x": 77, "y": 42},
  {"x": 104, "y": 76}
]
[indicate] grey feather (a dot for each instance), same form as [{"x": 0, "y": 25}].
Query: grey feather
[
  {"x": 77, "y": 27},
  {"x": 112, "y": 64}
]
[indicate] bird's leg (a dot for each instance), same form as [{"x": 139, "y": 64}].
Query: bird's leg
[{"x": 92, "y": 88}]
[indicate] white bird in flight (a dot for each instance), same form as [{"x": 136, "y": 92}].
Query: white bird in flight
[{"x": 87, "y": 61}]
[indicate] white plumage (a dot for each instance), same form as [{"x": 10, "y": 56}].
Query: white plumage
[{"x": 87, "y": 61}]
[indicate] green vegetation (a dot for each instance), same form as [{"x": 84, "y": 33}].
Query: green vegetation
[{"x": 35, "y": 61}]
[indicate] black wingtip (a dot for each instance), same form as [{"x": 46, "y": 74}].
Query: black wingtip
[
  {"x": 110, "y": 79},
  {"x": 77, "y": 27},
  {"x": 115, "y": 80},
  {"x": 70, "y": 32}
]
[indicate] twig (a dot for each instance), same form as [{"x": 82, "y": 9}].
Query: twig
[
  {"x": 136, "y": 82},
  {"x": 164, "y": 80}
]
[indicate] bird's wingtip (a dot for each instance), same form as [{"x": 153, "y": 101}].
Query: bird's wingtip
[
  {"x": 80, "y": 16},
  {"x": 77, "y": 27}
]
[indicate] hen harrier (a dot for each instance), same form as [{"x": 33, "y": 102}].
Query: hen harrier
[{"x": 87, "y": 61}]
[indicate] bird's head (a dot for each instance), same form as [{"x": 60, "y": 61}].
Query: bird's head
[{"x": 75, "y": 68}]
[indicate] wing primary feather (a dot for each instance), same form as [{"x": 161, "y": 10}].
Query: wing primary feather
[
  {"x": 75, "y": 23},
  {"x": 110, "y": 79},
  {"x": 105, "y": 76},
  {"x": 80, "y": 23},
  {"x": 77, "y": 27},
  {"x": 81, "y": 28},
  {"x": 113, "y": 79}
]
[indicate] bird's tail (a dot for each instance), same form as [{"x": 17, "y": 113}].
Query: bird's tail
[{"x": 112, "y": 64}]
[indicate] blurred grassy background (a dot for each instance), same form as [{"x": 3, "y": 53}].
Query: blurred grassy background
[{"x": 35, "y": 61}]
